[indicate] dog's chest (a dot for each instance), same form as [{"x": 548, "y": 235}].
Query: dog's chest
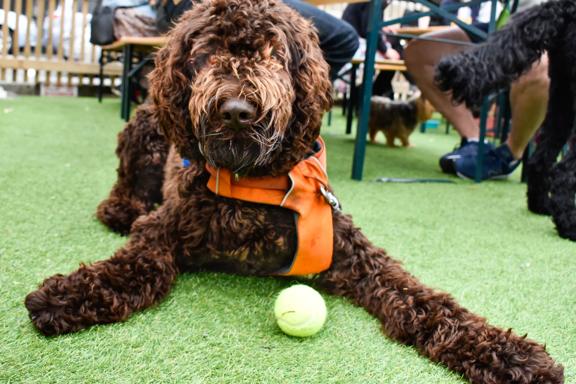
[{"x": 235, "y": 236}]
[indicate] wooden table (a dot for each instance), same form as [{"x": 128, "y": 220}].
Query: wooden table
[
  {"x": 417, "y": 31},
  {"x": 130, "y": 45},
  {"x": 379, "y": 65}
]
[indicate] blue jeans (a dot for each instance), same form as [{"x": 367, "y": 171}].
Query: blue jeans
[{"x": 338, "y": 39}]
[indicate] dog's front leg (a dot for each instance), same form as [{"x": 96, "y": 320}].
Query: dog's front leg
[
  {"x": 142, "y": 151},
  {"x": 137, "y": 276},
  {"x": 431, "y": 321},
  {"x": 554, "y": 134},
  {"x": 563, "y": 195}
]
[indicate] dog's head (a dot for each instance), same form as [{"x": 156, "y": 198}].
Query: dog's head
[{"x": 242, "y": 84}]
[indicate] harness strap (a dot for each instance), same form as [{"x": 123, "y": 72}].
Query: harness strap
[{"x": 302, "y": 191}]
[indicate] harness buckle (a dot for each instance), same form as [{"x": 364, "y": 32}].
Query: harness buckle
[{"x": 331, "y": 199}]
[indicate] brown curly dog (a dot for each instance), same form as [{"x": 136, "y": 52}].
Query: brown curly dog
[{"x": 242, "y": 85}]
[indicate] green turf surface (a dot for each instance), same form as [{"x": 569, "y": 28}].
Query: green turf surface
[{"x": 477, "y": 242}]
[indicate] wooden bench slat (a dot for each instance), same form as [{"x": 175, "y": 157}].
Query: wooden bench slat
[
  {"x": 385, "y": 65},
  {"x": 417, "y": 31},
  {"x": 145, "y": 42}
]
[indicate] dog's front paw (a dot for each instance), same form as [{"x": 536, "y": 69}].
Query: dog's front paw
[
  {"x": 538, "y": 200},
  {"x": 509, "y": 359},
  {"x": 51, "y": 310}
]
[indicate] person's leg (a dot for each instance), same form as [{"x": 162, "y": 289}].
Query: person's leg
[
  {"x": 421, "y": 58},
  {"x": 529, "y": 101}
]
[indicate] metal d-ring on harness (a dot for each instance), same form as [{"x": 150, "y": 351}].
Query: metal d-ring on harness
[{"x": 331, "y": 199}]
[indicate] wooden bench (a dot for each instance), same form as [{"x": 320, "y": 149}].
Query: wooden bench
[
  {"x": 129, "y": 45},
  {"x": 379, "y": 65},
  {"x": 384, "y": 65},
  {"x": 417, "y": 31},
  {"x": 145, "y": 44}
]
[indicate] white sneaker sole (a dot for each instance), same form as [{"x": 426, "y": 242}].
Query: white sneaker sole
[{"x": 499, "y": 177}]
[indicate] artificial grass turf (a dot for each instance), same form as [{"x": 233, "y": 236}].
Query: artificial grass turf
[{"x": 477, "y": 242}]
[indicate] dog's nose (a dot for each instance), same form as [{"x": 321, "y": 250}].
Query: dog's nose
[{"x": 237, "y": 114}]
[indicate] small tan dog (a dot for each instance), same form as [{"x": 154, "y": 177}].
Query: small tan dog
[{"x": 397, "y": 119}]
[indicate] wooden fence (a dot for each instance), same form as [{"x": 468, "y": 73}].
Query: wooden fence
[{"x": 47, "y": 41}]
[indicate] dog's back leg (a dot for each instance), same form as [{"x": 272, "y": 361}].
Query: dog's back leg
[
  {"x": 554, "y": 133},
  {"x": 405, "y": 139},
  {"x": 372, "y": 134},
  {"x": 139, "y": 275},
  {"x": 431, "y": 321},
  {"x": 142, "y": 151},
  {"x": 390, "y": 137}
]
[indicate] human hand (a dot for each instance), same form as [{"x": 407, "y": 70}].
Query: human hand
[{"x": 392, "y": 54}]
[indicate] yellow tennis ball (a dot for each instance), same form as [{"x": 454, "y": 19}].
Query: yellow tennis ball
[{"x": 300, "y": 311}]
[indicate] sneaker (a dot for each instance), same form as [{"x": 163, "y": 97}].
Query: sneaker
[
  {"x": 466, "y": 148},
  {"x": 499, "y": 163}
]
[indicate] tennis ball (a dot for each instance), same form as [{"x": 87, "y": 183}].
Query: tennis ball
[{"x": 300, "y": 311}]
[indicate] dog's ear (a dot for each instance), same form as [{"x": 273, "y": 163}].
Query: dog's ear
[
  {"x": 310, "y": 77},
  {"x": 172, "y": 77}
]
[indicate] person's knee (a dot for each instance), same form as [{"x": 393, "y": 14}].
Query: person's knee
[
  {"x": 421, "y": 53},
  {"x": 350, "y": 40},
  {"x": 414, "y": 54},
  {"x": 340, "y": 48}
]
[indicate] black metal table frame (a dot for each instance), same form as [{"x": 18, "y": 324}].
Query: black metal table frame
[{"x": 128, "y": 72}]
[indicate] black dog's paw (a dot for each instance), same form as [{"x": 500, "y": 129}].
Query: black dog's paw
[
  {"x": 563, "y": 197},
  {"x": 538, "y": 201},
  {"x": 566, "y": 226}
]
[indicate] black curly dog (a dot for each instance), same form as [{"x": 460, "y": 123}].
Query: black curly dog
[{"x": 506, "y": 55}]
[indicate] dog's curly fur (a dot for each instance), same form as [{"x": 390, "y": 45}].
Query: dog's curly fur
[
  {"x": 508, "y": 54},
  {"x": 264, "y": 52}
]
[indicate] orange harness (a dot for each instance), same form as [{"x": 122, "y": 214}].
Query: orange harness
[{"x": 303, "y": 190}]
